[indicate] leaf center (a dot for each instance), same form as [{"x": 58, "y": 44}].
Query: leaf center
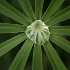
[{"x": 38, "y": 32}]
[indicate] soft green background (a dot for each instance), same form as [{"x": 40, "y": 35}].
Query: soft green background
[{"x": 6, "y": 59}]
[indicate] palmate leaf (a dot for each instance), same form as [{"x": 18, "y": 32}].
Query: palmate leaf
[
  {"x": 61, "y": 30},
  {"x": 64, "y": 44},
  {"x": 26, "y": 6},
  {"x": 38, "y": 8},
  {"x": 37, "y": 58},
  {"x": 54, "y": 5},
  {"x": 11, "y": 43},
  {"x": 22, "y": 56},
  {"x": 53, "y": 57},
  {"x": 59, "y": 17},
  {"x": 11, "y": 12},
  {"x": 11, "y": 28}
]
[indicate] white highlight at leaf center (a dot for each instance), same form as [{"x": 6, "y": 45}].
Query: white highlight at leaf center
[{"x": 38, "y": 32}]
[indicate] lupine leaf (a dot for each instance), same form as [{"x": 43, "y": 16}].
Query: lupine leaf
[
  {"x": 64, "y": 44},
  {"x": 54, "y": 5},
  {"x": 53, "y": 57},
  {"x": 22, "y": 56},
  {"x": 59, "y": 17},
  {"x": 61, "y": 30},
  {"x": 11, "y": 43},
  {"x": 11, "y": 12},
  {"x": 26, "y": 6},
  {"x": 38, "y": 8},
  {"x": 11, "y": 28},
  {"x": 37, "y": 58}
]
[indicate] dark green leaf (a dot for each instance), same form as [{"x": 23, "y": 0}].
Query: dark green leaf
[
  {"x": 54, "y": 5},
  {"x": 11, "y": 28},
  {"x": 59, "y": 17},
  {"x": 22, "y": 56},
  {"x": 38, "y": 8},
  {"x": 53, "y": 57},
  {"x": 26, "y": 6},
  {"x": 61, "y": 42},
  {"x": 37, "y": 58},
  {"x": 61, "y": 30},
  {"x": 9, "y": 11},
  {"x": 11, "y": 43}
]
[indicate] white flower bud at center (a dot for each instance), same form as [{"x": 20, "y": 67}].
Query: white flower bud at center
[{"x": 38, "y": 32}]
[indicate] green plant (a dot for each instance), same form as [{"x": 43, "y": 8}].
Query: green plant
[{"x": 54, "y": 32}]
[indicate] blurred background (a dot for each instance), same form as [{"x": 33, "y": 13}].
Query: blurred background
[{"x": 7, "y": 59}]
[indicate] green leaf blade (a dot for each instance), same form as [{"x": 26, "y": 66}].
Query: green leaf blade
[
  {"x": 38, "y": 8},
  {"x": 53, "y": 57},
  {"x": 11, "y": 28},
  {"x": 54, "y": 5},
  {"x": 26, "y": 6},
  {"x": 64, "y": 44},
  {"x": 22, "y": 56},
  {"x": 60, "y": 30},
  {"x": 11, "y": 43},
  {"x": 9, "y": 11},
  {"x": 59, "y": 17},
  {"x": 37, "y": 58}
]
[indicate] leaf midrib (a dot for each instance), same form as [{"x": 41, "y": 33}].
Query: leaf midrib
[
  {"x": 10, "y": 43},
  {"x": 56, "y": 19},
  {"x": 14, "y": 13},
  {"x": 20, "y": 59},
  {"x": 63, "y": 43}
]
